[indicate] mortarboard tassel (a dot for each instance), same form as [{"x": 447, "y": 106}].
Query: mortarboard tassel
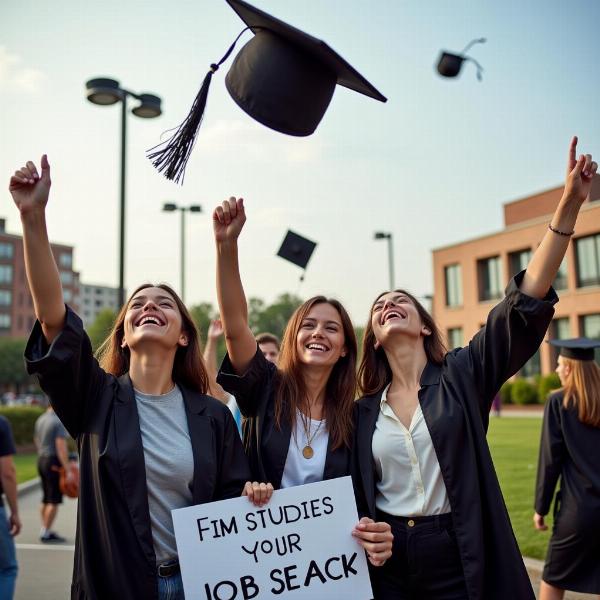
[{"x": 171, "y": 156}]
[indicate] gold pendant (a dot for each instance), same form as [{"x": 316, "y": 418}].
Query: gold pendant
[{"x": 308, "y": 452}]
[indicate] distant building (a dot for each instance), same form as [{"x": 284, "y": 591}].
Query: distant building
[
  {"x": 16, "y": 306},
  {"x": 94, "y": 299},
  {"x": 470, "y": 277}
]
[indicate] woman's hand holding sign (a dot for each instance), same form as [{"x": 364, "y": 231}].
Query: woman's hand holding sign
[
  {"x": 376, "y": 539},
  {"x": 258, "y": 493}
]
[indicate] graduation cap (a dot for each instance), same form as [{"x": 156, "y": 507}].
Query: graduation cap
[
  {"x": 283, "y": 78},
  {"x": 577, "y": 348},
  {"x": 297, "y": 250},
  {"x": 449, "y": 64}
]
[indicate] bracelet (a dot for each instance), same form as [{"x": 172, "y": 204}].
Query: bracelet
[{"x": 560, "y": 232}]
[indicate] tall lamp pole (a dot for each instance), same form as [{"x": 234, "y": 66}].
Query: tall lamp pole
[
  {"x": 104, "y": 92},
  {"x": 195, "y": 208},
  {"x": 382, "y": 235}
]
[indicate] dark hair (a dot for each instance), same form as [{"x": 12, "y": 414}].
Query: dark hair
[
  {"x": 374, "y": 372},
  {"x": 267, "y": 338},
  {"x": 340, "y": 391},
  {"x": 188, "y": 366}
]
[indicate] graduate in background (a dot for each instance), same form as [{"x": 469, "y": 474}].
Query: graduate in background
[{"x": 569, "y": 451}]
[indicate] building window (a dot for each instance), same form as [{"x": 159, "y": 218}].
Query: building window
[
  {"x": 590, "y": 327},
  {"x": 560, "y": 329},
  {"x": 67, "y": 295},
  {"x": 455, "y": 337},
  {"x": 66, "y": 277},
  {"x": 6, "y": 250},
  {"x": 6, "y": 273},
  {"x": 560, "y": 281},
  {"x": 587, "y": 250},
  {"x": 489, "y": 276},
  {"x": 5, "y": 298},
  {"x": 519, "y": 260},
  {"x": 65, "y": 260},
  {"x": 453, "y": 285},
  {"x": 4, "y": 321}
]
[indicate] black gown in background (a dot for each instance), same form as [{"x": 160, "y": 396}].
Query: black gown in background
[{"x": 570, "y": 450}]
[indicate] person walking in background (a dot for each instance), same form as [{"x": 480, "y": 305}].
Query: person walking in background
[
  {"x": 10, "y": 526},
  {"x": 569, "y": 451},
  {"x": 269, "y": 346},
  {"x": 421, "y": 457},
  {"x": 150, "y": 439},
  {"x": 50, "y": 437}
]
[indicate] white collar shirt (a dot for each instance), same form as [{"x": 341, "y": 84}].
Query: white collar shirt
[{"x": 410, "y": 481}]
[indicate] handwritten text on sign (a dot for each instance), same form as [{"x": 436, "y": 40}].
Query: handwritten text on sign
[{"x": 298, "y": 546}]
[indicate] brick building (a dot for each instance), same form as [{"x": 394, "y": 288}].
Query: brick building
[
  {"x": 16, "y": 307},
  {"x": 470, "y": 277}
]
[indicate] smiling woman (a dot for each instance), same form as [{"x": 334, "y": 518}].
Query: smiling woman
[{"x": 150, "y": 439}]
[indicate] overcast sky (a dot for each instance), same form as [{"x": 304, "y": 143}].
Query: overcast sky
[{"x": 433, "y": 165}]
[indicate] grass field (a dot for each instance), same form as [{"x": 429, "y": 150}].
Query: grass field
[
  {"x": 514, "y": 443},
  {"x": 26, "y": 465}
]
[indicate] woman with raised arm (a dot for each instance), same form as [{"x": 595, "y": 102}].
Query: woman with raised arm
[
  {"x": 569, "y": 452},
  {"x": 421, "y": 459},
  {"x": 149, "y": 438},
  {"x": 298, "y": 414}
]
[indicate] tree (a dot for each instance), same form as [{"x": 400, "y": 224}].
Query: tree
[
  {"x": 12, "y": 366},
  {"x": 272, "y": 318},
  {"x": 101, "y": 327}
]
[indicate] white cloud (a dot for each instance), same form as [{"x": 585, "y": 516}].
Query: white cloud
[{"x": 14, "y": 76}]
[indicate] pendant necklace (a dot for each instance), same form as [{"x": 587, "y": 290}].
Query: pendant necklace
[{"x": 308, "y": 451}]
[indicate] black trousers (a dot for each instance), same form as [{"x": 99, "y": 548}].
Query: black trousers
[{"x": 425, "y": 563}]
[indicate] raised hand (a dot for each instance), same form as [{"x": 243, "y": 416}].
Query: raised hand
[
  {"x": 228, "y": 220},
  {"x": 28, "y": 189},
  {"x": 580, "y": 173},
  {"x": 215, "y": 329}
]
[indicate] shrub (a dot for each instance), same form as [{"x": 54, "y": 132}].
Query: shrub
[
  {"x": 547, "y": 384},
  {"x": 22, "y": 419},
  {"x": 506, "y": 392},
  {"x": 523, "y": 392}
]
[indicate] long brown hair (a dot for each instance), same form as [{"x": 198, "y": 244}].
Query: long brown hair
[
  {"x": 582, "y": 390},
  {"x": 374, "y": 372},
  {"x": 340, "y": 391},
  {"x": 188, "y": 366}
]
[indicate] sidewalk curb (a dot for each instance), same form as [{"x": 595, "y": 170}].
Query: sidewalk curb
[{"x": 28, "y": 486}]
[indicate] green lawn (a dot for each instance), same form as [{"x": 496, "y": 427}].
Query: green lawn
[
  {"x": 514, "y": 443},
  {"x": 26, "y": 465}
]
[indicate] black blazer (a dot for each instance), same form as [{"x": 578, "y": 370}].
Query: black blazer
[
  {"x": 114, "y": 554},
  {"x": 455, "y": 399},
  {"x": 266, "y": 445}
]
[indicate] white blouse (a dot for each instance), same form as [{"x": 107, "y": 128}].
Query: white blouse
[{"x": 410, "y": 480}]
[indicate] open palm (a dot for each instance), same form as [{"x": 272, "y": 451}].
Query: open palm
[{"x": 30, "y": 190}]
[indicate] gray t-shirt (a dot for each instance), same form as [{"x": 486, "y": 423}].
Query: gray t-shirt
[
  {"x": 169, "y": 464},
  {"x": 47, "y": 428}
]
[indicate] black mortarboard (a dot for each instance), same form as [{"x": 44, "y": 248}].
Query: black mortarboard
[
  {"x": 577, "y": 348},
  {"x": 449, "y": 64},
  {"x": 296, "y": 249},
  {"x": 283, "y": 78}
]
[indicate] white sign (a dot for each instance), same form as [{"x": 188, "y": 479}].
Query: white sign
[{"x": 298, "y": 546}]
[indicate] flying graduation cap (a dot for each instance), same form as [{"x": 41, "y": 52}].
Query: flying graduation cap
[
  {"x": 283, "y": 78},
  {"x": 297, "y": 250},
  {"x": 450, "y": 64},
  {"x": 577, "y": 348}
]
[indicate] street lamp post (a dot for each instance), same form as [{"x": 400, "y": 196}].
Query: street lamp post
[
  {"x": 104, "y": 92},
  {"x": 195, "y": 208},
  {"x": 382, "y": 235}
]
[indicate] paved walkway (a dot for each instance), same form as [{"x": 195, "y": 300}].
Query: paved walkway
[{"x": 44, "y": 570}]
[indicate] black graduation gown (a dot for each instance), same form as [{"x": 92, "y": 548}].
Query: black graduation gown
[
  {"x": 570, "y": 450},
  {"x": 114, "y": 554},
  {"x": 266, "y": 445},
  {"x": 455, "y": 399}
]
